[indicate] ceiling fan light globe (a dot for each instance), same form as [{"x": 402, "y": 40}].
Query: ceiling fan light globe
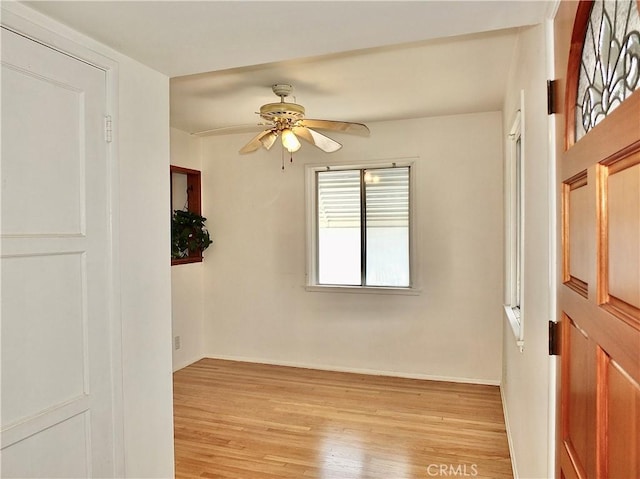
[{"x": 290, "y": 141}]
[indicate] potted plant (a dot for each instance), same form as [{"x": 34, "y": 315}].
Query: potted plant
[{"x": 189, "y": 235}]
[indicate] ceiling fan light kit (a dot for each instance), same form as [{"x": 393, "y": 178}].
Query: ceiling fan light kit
[
  {"x": 287, "y": 121},
  {"x": 290, "y": 141}
]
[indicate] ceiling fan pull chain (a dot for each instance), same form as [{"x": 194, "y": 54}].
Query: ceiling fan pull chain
[{"x": 282, "y": 159}]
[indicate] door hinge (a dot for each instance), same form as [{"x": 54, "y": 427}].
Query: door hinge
[
  {"x": 554, "y": 338},
  {"x": 108, "y": 129},
  {"x": 552, "y": 96}
]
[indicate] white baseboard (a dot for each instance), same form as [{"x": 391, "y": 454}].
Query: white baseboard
[
  {"x": 187, "y": 362},
  {"x": 509, "y": 438},
  {"x": 371, "y": 372}
]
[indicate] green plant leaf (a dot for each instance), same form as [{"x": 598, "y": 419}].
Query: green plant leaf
[{"x": 188, "y": 233}]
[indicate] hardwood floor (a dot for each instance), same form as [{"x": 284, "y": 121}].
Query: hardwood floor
[{"x": 245, "y": 421}]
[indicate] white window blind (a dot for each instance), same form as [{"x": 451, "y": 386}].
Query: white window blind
[{"x": 363, "y": 227}]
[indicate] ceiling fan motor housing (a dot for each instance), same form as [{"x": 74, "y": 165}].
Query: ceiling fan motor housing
[{"x": 282, "y": 111}]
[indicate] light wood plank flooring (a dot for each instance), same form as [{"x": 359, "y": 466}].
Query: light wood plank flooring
[{"x": 245, "y": 421}]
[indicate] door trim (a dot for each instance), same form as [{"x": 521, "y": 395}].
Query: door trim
[
  {"x": 30, "y": 24},
  {"x": 552, "y": 365}
]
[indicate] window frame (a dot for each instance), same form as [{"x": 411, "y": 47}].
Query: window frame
[
  {"x": 194, "y": 204},
  {"x": 515, "y": 226},
  {"x": 312, "y": 283}
]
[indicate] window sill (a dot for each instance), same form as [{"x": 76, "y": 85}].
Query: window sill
[
  {"x": 363, "y": 290},
  {"x": 514, "y": 316}
]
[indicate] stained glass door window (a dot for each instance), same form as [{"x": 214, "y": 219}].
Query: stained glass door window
[{"x": 610, "y": 64}]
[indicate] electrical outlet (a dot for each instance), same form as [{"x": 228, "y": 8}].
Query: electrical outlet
[{"x": 176, "y": 343}]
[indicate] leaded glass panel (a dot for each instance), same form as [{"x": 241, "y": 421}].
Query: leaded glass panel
[{"x": 610, "y": 64}]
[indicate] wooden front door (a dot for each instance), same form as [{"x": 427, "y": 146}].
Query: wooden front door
[{"x": 598, "y": 171}]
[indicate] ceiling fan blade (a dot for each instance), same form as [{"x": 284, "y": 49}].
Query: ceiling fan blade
[
  {"x": 255, "y": 143},
  {"x": 341, "y": 126},
  {"x": 316, "y": 138},
  {"x": 229, "y": 130},
  {"x": 268, "y": 140}
]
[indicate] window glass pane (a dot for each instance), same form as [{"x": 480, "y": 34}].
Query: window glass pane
[
  {"x": 609, "y": 67},
  {"x": 339, "y": 227},
  {"x": 518, "y": 225},
  {"x": 387, "y": 220}
]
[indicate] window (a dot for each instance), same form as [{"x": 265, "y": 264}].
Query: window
[
  {"x": 360, "y": 226},
  {"x": 609, "y": 62},
  {"x": 515, "y": 226}
]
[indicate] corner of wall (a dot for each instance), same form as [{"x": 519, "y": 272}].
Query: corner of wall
[
  {"x": 512, "y": 454},
  {"x": 187, "y": 295}
]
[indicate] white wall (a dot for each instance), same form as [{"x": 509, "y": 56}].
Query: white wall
[
  {"x": 141, "y": 145},
  {"x": 256, "y": 307},
  {"x": 144, "y": 267},
  {"x": 525, "y": 378},
  {"x": 186, "y": 279}
]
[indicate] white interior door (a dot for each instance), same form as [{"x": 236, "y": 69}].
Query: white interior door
[{"x": 57, "y": 405}]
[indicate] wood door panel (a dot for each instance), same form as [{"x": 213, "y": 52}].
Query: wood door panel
[
  {"x": 623, "y": 424},
  {"x": 577, "y": 240},
  {"x": 563, "y": 476},
  {"x": 618, "y": 338},
  {"x": 599, "y": 185},
  {"x": 623, "y": 235},
  {"x": 578, "y": 397},
  {"x": 568, "y": 469}
]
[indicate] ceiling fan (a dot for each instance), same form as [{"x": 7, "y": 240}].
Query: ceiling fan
[{"x": 287, "y": 121}]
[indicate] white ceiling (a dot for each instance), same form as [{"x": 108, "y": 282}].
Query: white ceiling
[
  {"x": 461, "y": 75},
  {"x": 348, "y": 60}
]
